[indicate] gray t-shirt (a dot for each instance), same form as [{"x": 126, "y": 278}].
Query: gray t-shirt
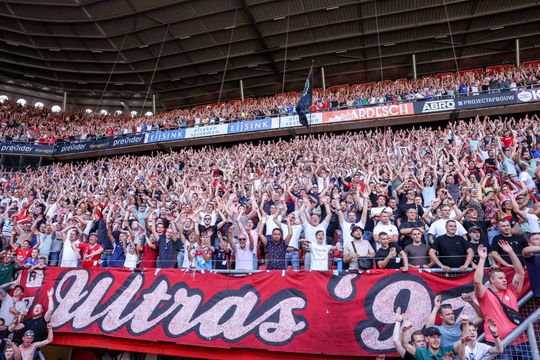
[{"x": 417, "y": 254}]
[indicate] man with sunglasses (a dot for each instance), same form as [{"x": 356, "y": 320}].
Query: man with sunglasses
[{"x": 243, "y": 251}]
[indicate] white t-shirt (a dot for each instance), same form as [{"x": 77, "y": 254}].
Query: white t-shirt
[
  {"x": 255, "y": 236},
  {"x": 346, "y": 229},
  {"x": 480, "y": 352},
  {"x": 132, "y": 258},
  {"x": 296, "y": 231},
  {"x": 390, "y": 229},
  {"x": 429, "y": 194},
  {"x": 319, "y": 256},
  {"x": 438, "y": 228},
  {"x": 271, "y": 224},
  {"x": 69, "y": 257},
  {"x": 5, "y": 314},
  {"x": 527, "y": 179},
  {"x": 310, "y": 231},
  {"x": 534, "y": 223}
]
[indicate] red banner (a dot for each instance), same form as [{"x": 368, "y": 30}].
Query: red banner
[
  {"x": 367, "y": 113},
  {"x": 294, "y": 312}
]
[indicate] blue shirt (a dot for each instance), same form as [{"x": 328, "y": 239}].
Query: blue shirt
[
  {"x": 118, "y": 257},
  {"x": 449, "y": 335},
  {"x": 533, "y": 268}
]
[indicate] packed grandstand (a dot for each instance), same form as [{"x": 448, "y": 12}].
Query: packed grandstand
[
  {"x": 41, "y": 125},
  {"x": 393, "y": 224}
]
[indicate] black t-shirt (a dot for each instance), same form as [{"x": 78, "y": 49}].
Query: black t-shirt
[
  {"x": 3, "y": 335},
  {"x": 517, "y": 242},
  {"x": 212, "y": 228},
  {"x": 38, "y": 326},
  {"x": 483, "y": 225},
  {"x": 407, "y": 240},
  {"x": 474, "y": 247},
  {"x": 219, "y": 256},
  {"x": 381, "y": 254},
  {"x": 452, "y": 250},
  {"x": 402, "y": 212}
]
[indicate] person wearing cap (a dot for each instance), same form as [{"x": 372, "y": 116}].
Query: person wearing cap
[
  {"x": 357, "y": 248},
  {"x": 91, "y": 252},
  {"x": 28, "y": 347},
  {"x": 475, "y": 234},
  {"x": 434, "y": 350},
  {"x": 470, "y": 218}
]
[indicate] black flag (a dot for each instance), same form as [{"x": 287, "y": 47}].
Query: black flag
[{"x": 305, "y": 100}]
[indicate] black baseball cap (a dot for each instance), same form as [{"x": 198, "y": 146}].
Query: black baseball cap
[{"x": 430, "y": 331}]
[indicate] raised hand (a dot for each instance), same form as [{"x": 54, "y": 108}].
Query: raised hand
[
  {"x": 503, "y": 244},
  {"x": 399, "y": 316},
  {"x": 482, "y": 252},
  {"x": 492, "y": 326},
  {"x": 466, "y": 297}
]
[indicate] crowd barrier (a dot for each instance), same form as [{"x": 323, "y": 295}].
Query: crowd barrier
[{"x": 482, "y": 100}]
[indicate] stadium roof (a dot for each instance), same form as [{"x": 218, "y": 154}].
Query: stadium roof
[{"x": 81, "y": 45}]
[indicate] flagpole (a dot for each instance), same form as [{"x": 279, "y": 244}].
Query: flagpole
[{"x": 311, "y": 104}]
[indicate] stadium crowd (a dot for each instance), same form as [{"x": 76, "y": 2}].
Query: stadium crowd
[
  {"x": 41, "y": 125},
  {"x": 457, "y": 198}
]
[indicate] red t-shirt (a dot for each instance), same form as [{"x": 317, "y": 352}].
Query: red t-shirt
[
  {"x": 493, "y": 310},
  {"x": 22, "y": 255},
  {"x": 88, "y": 249},
  {"x": 149, "y": 257},
  {"x": 508, "y": 141}
]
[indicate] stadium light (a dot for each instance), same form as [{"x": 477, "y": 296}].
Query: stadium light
[
  {"x": 88, "y": 111},
  {"x": 3, "y": 98},
  {"x": 133, "y": 113},
  {"x": 149, "y": 113},
  {"x": 56, "y": 109},
  {"x": 39, "y": 105},
  {"x": 103, "y": 112},
  {"x": 21, "y": 102}
]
